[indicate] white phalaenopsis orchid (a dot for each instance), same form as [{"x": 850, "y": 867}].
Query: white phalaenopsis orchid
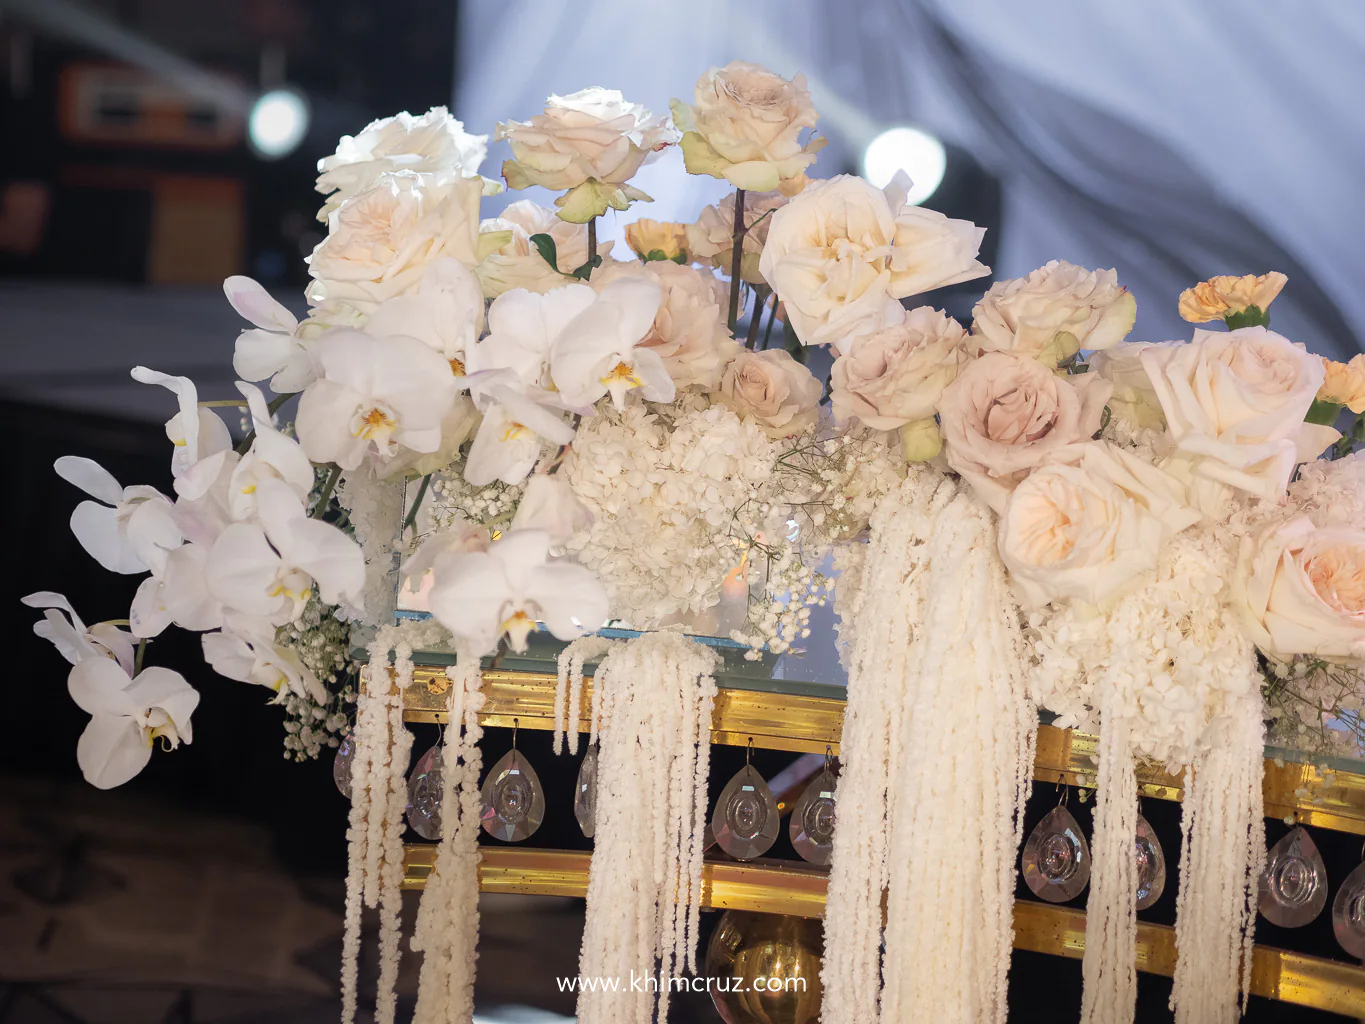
[
  {"x": 598, "y": 352},
  {"x": 272, "y": 455},
  {"x": 522, "y": 328},
  {"x": 127, "y": 716},
  {"x": 268, "y": 568},
  {"x": 134, "y": 527},
  {"x": 73, "y": 640},
  {"x": 548, "y": 503},
  {"x": 196, "y": 433},
  {"x": 273, "y": 348},
  {"x": 178, "y": 594},
  {"x": 480, "y": 595},
  {"x": 373, "y": 394},
  {"x": 255, "y": 658},
  {"x": 446, "y": 314},
  {"x": 517, "y": 423}
]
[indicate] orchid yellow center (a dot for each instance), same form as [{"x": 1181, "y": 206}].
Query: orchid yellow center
[
  {"x": 514, "y": 431},
  {"x": 518, "y": 626},
  {"x": 457, "y": 367},
  {"x": 622, "y": 372},
  {"x": 373, "y": 424}
]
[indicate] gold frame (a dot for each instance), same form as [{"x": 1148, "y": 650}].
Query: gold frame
[
  {"x": 801, "y": 724},
  {"x": 799, "y": 890}
]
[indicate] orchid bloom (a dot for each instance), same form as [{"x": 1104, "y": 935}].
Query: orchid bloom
[
  {"x": 269, "y": 568},
  {"x": 178, "y": 594},
  {"x": 127, "y": 716},
  {"x": 522, "y": 328},
  {"x": 373, "y": 393},
  {"x": 458, "y": 539},
  {"x": 480, "y": 595},
  {"x": 515, "y": 428},
  {"x": 446, "y": 314},
  {"x": 548, "y": 503},
  {"x": 195, "y": 432},
  {"x": 256, "y": 658},
  {"x": 272, "y": 454},
  {"x": 272, "y": 349},
  {"x": 69, "y": 634},
  {"x": 599, "y": 351},
  {"x": 134, "y": 527}
]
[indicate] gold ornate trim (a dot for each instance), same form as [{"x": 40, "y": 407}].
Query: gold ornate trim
[
  {"x": 796, "y": 890},
  {"x": 792, "y": 722}
]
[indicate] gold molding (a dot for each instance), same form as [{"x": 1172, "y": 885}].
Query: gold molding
[
  {"x": 784, "y": 888},
  {"x": 801, "y": 724}
]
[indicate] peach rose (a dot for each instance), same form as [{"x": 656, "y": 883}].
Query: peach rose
[
  {"x": 898, "y": 374},
  {"x": 1300, "y": 589},
  {"x": 647, "y": 237},
  {"x": 1219, "y": 297},
  {"x": 1005, "y": 415},
  {"x": 772, "y": 389}
]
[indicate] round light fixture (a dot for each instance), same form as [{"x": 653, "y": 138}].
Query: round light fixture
[
  {"x": 278, "y": 123},
  {"x": 911, "y": 150}
]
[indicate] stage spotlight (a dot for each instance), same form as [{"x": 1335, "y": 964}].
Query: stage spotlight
[
  {"x": 916, "y": 152},
  {"x": 278, "y": 123}
]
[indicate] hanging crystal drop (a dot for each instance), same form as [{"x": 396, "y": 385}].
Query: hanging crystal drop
[
  {"x": 585, "y": 795},
  {"x": 812, "y": 823},
  {"x": 1056, "y": 857},
  {"x": 745, "y": 821},
  {"x": 341, "y": 766},
  {"x": 1294, "y": 883},
  {"x": 513, "y": 802},
  {"x": 426, "y": 788},
  {"x": 1348, "y": 913},
  {"x": 1151, "y": 865}
]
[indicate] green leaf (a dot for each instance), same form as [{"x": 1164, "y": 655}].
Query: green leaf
[
  {"x": 1324, "y": 413},
  {"x": 549, "y": 252},
  {"x": 1252, "y": 316},
  {"x": 655, "y": 255},
  {"x": 585, "y": 271}
]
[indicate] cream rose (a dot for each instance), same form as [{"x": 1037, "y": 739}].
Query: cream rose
[
  {"x": 1300, "y": 589},
  {"x": 434, "y": 143},
  {"x": 1221, "y": 297},
  {"x": 712, "y": 238},
  {"x": 519, "y": 264},
  {"x": 746, "y": 125},
  {"x": 1085, "y": 531},
  {"x": 1005, "y": 415},
  {"x": 1054, "y": 312},
  {"x": 689, "y": 331},
  {"x": 1344, "y": 383},
  {"x": 588, "y": 144},
  {"x": 898, "y": 374},
  {"x": 1234, "y": 404},
  {"x": 772, "y": 389},
  {"x": 659, "y": 239},
  {"x": 1134, "y": 399},
  {"x": 380, "y": 242},
  {"x": 841, "y": 254}
]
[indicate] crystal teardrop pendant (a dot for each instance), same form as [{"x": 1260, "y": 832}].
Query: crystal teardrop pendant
[
  {"x": 1056, "y": 857},
  {"x": 1348, "y": 913},
  {"x": 745, "y": 820},
  {"x": 341, "y": 766},
  {"x": 1151, "y": 865},
  {"x": 585, "y": 795},
  {"x": 812, "y": 823},
  {"x": 513, "y": 802},
  {"x": 426, "y": 788},
  {"x": 1294, "y": 883}
]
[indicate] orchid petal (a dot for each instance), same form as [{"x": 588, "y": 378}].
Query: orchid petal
[
  {"x": 638, "y": 300},
  {"x": 111, "y": 751},
  {"x": 469, "y": 596},
  {"x": 186, "y": 594},
  {"x": 333, "y": 559},
  {"x": 89, "y": 476},
  {"x": 116, "y": 641},
  {"x": 655, "y": 383},
  {"x": 323, "y": 424},
  {"x": 242, "y": 568},
  {"x": 252, "y": 302},
  {"x": 163, "y": 688},
  {"x": 96, "y": 527},
  {"x": 98, "y": 686},
  {"x": 570, "y": 599},
  {"x": 148, "y": 615},
  {"x": 259, "y": 354}
]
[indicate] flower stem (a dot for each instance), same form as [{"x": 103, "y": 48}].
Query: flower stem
[
  {"x": 772, "y": 316},
  {"x": 736, "y": 255},
  {"x": 592, "y": 240},
  {"x": 327, "y": 488},
  {"x": 760, "y": 300},
  {"x": 411, "y": 520},
  {"x": 137, "y": 656}
]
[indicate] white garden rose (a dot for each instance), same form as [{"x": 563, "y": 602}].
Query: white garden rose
[
  {"x": 588, "y": 145},
  {"x": 1054, "y": 312},
  {"x": 771, "y": 389},
  {"x": 434, "y": 143},
  {"x": 842, "y": 253},
  {"x": 1086, "y": 531},
  {"x": 689, "y": 331},
  {"x": 1234, "y": 404},
  {"x": 1134, "y": 399},
  {"x": 712, "y": 238},
  {"x": 1300, "y": 589},
  {"x": 898, "y": 374},
  {"x": 380, "y": 242},
  {"x": 1006, "y": 415},
  {"x": 746, "y": 126},
  {"x": 519, "y": 264}
]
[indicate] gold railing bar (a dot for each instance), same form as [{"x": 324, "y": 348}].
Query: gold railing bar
[{"x": 780, "y": 887}]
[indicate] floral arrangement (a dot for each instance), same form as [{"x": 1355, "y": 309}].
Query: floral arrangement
[{"x": 518, "y": 430}]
